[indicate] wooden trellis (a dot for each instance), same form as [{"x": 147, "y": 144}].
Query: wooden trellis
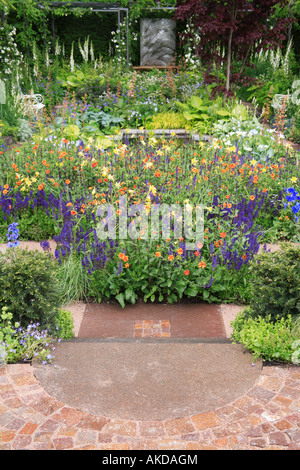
[{"x": 122, "y": 13}]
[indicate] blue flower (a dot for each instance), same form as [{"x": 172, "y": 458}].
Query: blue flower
[{"x": 12, "y": 235}]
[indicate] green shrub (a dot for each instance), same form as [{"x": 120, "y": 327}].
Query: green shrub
[
  {"x": 28, "y": 286},
  {"x": 18, "y": 343},
  {"x": 296, "y": 136},
  {"x": 64, "y": 325},
  {"x": 274, "y": 283},
  {"x": 266, "y": 339}
]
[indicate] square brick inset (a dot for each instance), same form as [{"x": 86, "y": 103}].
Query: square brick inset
[{"x": 152, "y": 329}]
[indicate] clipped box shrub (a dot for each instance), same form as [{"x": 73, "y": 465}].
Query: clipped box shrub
[
  {"x": 296, "y": 136},
  {"x": 28, "y": 287},
  {"x": 274, "y": 283}
]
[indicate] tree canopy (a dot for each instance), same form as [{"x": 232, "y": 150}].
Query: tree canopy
[{"x": 234, "y": 26}]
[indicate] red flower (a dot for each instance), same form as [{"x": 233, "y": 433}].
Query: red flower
[{"x": 186, "y": 272}]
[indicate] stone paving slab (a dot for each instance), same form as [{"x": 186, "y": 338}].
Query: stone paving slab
[
  {"x": 147, "y": 381},
  {"x": 265, "y": 417},
  {"x": 110, "y": 320}
]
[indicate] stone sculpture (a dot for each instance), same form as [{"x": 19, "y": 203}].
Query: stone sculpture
[{"x": 158, "y": 42}]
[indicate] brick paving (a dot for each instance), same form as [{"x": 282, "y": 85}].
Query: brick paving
[
  {"x": 266, "y": 417},
  {"x": 152, "y": 329}
]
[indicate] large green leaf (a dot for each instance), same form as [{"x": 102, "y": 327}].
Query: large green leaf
[
  {"x": 182, "y": 105},
  {"x": 222, "y": 112},
  {"x": 240, "y": 112},
  {"x": 103, "y": 142},
  {"x": 71, "y": 131},
  {"x": 196, "y": 102},
  {"x": 120, "y": 299},
  {"x": 189, "y": 116}
]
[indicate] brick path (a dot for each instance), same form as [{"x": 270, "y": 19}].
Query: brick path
[{"x": 267, "y": 417}]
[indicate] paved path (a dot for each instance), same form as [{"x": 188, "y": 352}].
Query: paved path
[
  {"x": 40, "y": 410},
  {"x": 266, "y": 417}
]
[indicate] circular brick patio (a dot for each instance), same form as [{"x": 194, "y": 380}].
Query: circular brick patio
[{"x": 266, "y": 417}]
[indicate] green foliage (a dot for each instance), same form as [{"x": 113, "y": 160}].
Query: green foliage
[
  {"x": 266, "y": 339},
  {"x": 8, "y": 130},
  {"x": 72, "y": 280},
  {"x": 202, "y": 112},
  {"x": 23, "y": 344},
  {"x": 24, "y": 131},
  {"x": 274, "y": 283},
  {"x": 28, "y": 286},
  {"x": 64, "y": 324},
  {"x": 296, "y": 136},
  {"x": 35, "y": 224},
  {"x": 169, "y": 120}
]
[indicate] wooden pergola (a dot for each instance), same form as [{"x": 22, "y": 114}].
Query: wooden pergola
[
  {"x": 100, "y": 7},
  {"x": 122, "y": 13}
]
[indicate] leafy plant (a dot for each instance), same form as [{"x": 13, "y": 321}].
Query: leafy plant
[
  {"x": 296, "y": 136},
  {"x": 275, "y": 283},
  {"x": 202, "y": 112},
  {"x": 169, "y": 120},
  {"x": 24, "y": 131},
  {"x": 72, "y": 280},
  {"x": 64, "y": 324},
  {"x": 267, "y": 339},
  {"x": 18, "y": 343},
  {"x": 28, "y": 286}
]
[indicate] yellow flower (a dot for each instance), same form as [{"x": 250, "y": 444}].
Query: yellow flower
[
  {"x": 294, "y": 179},
  {"x": 152, "y": 189},
  {"x": 230, "y": 149}
]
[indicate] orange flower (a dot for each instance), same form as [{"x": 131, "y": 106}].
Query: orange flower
[
  {"x": 252, "y": 197},
  {"x": 170, "y": 257},
  {"x": 180, "y": 251},
  {"x": 121, "y": 255},
  {"x": 69, "y": 204},
  {"x": 202, "y": 265},
  {"x": 223, "y": 234},
  {"x": 157, "y": 254},
  {"x": 127, "y": 265},
  {"x": 186, "y": 272},
  {"x": 73, "y": 212},
  {"x": 67, "y": 181}
]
